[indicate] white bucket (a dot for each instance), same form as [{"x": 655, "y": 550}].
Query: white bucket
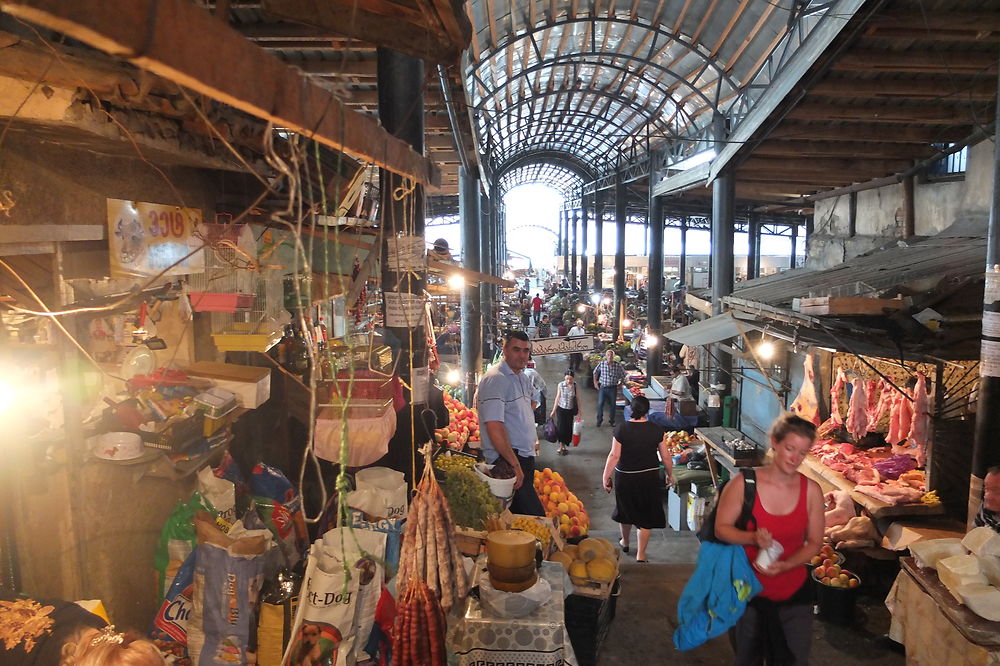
[{"x": 502, "y": 488}]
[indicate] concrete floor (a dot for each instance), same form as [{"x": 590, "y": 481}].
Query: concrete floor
[{"x": 647, "y": 606}]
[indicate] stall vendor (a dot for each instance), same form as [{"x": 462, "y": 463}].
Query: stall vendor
[
  {"x": 989, "y": 512},
  {"x": 505, "y": 400}
]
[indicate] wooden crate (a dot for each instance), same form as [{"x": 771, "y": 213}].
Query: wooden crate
[
  {"x": 470, "y": 542},
  {"x": 832, "y": 305},
  {"x": 596, "y": 589}
]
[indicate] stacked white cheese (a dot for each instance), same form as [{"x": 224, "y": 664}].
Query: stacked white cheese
[{"x": 969, "y": 568}]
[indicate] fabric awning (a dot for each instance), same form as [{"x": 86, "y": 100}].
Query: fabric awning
[{"x": 713, "y": 329}]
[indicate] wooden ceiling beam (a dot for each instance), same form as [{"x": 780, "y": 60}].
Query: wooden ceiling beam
[
  {"x": 980, "y": 89},
  {"x": 794, "y": 148},
  {"x": 917, "y": 62},
  {"x": 862, "y": 132},
  {"x": 367, "y": 69},
  {"x": 939, "y": 19},
  {"x": 938, "y": 36},
  {"x": 179, "y": 41},
  {"x": 810, "y": 163},
  {"x": 889, "y": 114}
]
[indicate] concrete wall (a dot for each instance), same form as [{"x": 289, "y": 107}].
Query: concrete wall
[
  {"x": 937, "y": 206},
  {"x": 89, "y": 529}
]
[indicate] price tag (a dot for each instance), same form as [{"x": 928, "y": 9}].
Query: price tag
[
  {"x": 403, "y": 310},
  {"x": 420, "y": 382},
  {"x": 406, "y": 253}
]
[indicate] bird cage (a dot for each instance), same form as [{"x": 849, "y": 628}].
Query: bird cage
[{"x": 244, "y": 299}]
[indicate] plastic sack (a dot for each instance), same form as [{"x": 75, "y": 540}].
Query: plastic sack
[
  {"x": 381, "y": 493},
  {"x": 269, "y": 483},
  {"x": 510, "y": 604},
  {"x": 578, "y": 427},
  {"x": 393, "y": 530},
  {"x": 220, "y": 496},
  {"x": 550, "y": 432},
  {"x": 324, "y": 623},
  {"x": 177, "y": 541},
  {"x": 228, "y": 573},
  {"x": 170, "y": 625}
]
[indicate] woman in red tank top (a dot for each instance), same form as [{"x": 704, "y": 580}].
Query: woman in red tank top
[{"x": 788, "y": 510}]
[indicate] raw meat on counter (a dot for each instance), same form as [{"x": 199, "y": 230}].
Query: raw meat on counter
[
  {"x": 857, "y": 416},
  {"x": 842, "y": 508},
  {"x": 891, "y": 493},
  {"x": 877, "y": 472}
]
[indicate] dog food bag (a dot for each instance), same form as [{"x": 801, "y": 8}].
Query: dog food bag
[
  {"x": 170, "y": 626},
  {"x": 366, "y": 549},
  {"x": 279, "y": 599},
  {"x": 324, "y": 624},
  {"x": 177, "y": 541},
  {"x": 228, "y": 574}
]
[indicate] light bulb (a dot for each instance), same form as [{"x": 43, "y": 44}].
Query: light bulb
[
  {"x": 456, "y": 281},
  {"x": 765, "y": 350},
  {"x": 453, "y": 377}
]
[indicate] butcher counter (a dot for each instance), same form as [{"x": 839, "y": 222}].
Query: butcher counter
[{"x": 933, "y": 627}]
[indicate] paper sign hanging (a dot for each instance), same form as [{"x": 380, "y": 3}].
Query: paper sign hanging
[
  {"x": 420, "y": 382},
  {"x": 403, "y": 310},
  {"x": 406, "y": 253},
  {"x": 576, "y": 344},
  {"x": 147, "y": 239},
  {"x": 989, "y": 359}
]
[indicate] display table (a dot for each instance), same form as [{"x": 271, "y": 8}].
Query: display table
[
  {"x": 814, "y": 468},
  {"x": 540, "y": 639},
  {"x": 717, "y": 451},
  {"x": 933, "y": 627}
]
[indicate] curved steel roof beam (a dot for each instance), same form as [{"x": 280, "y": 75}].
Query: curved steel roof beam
[
  {"x": 578, "y": 143},
  {"x": 671, "y": 36},
  {"x": 556, "y": 158},
  {"x": 566, "y": 61}
]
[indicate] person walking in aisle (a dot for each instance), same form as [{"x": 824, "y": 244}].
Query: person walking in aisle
[
  {"x": 536, "y": 308},
  {"x": 505, "y": 400},
  {"x": 608, "y": 376},
  {"x": 576, "y": 358},
  {"x": 544, "y": 329},
  {"x": 636, "y": 476},
  {"x": 566, "y": 410},
  {"x": 788, "y": 510}
]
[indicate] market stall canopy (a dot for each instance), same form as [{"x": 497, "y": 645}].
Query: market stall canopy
[{"x": 720, "y": 327}]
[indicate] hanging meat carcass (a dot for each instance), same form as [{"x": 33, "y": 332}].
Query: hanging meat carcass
[
  {"x": 806, "y": 404},
  {"x": 871, "y": 391},
  {"x": 920, "y": 421},
  {"x": 886, "y": 393},
  {"x": 835, "y": 391},
  {"x": 900, "y": 420},
  {"x": 857, "y": 416}
]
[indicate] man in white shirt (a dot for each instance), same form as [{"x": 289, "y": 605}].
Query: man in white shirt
[{"x": 576, "y": 358}]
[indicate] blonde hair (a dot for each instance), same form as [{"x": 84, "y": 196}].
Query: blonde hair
[
  {"x": 88, "y": 649},
  {"x": 789, "y": 424}
]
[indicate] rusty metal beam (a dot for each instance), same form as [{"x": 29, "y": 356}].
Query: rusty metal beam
[{"x": 181, "y": 42}]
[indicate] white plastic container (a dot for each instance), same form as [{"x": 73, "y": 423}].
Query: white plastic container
[
  {"x": 502, "y": 488},
  {"x": 768, "y": 556}
]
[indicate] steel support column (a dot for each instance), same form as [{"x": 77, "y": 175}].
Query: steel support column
[
  {"x": 559, "y": 238},
  {"x": 584, "y": 223},
  {"x": 682, "y": 260},
  {"x": 753, "y": 233},
  {"x": 795, "y": 239},
  {"x": 472, "y": 321},
  {"x": 723, "y": 204},
  {"x": 598, "y": 242},
  {"x": 620, "y": 204},
  {"x": 565, "y": 247},
  {"x": 486, "y": 291},
  {"x": 985, "y": 450},
  {"x": 573, "y": 253},
  {"x": 401, "y": 113},
  {"x": 654, "y": 297}
]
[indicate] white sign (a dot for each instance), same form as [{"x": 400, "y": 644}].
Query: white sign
[
  {"x": 406, "y": 253},
  {"x": 568, "y": 345},
  {"x": 403, "y": 310}
]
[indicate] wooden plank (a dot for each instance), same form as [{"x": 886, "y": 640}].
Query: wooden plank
[
  {"x": 851, "y": 149},
  {"x": 921, "y": 62},
  {"x": 895, "y": 113},
  {"x": 699, "y": 304},
  {"x": 930, "y": 88},
  {"x": 179, "y": 41},
  {"x": 944, "y": 19},
  {"x": 831, "y": 305},
  {"x": 859, "y": 132},
  {"x": 52, "y": 233}
]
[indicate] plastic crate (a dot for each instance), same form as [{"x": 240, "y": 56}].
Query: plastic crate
[{"x": 588, "y": 620}]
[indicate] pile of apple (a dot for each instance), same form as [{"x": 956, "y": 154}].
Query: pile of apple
[
  {"x": 463, "y": 425},
  {"x": 561, "y": 504},
  {"x": 678, "y": 440},
  {"x": 828, "y": 570}
]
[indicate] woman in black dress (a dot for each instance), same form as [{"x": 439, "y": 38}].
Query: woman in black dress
[{"x": 638, "y": 493}]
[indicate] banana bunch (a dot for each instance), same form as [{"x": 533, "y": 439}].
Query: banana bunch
[
  {"x": 534, "y": 527},
  {"x": 931, "y": 498}
]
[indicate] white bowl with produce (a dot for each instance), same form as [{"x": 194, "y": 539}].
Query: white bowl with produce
[{"x": 502, "y": 488}]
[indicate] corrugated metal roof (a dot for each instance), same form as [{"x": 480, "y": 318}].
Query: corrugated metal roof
[
  {"x": 957, "y": 252},
  {"x": 720, "y": 327}
]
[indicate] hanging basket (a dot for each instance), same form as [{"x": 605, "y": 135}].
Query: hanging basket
[{"x": 370, "y": 426}]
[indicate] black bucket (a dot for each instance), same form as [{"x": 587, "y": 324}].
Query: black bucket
[{"x": 836, "y": 604}]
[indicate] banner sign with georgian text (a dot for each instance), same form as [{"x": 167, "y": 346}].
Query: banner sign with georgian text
[{"x": 566, "y": 345}]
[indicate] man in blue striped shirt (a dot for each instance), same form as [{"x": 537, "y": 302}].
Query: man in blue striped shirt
[
  {"x": 506, "y": 413},
  {"x": 608, "y": 376}
]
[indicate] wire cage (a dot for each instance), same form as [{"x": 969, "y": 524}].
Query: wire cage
[{"x": 244, "y": 299}]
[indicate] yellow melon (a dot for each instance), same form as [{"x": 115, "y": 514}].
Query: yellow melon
[
  {"x": 601, "y": 569},
  {"x": 562, "y": 558},
  {"x": 591, "y": 548},
  {"x": 572, "y": 550},
  {"x": 578, "y": 570}
]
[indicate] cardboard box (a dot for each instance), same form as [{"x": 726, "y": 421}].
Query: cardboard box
[
  {"x": 252, "y": 385},
  {"x": 677, "y": 509},
  {"x": 900, "y": 535}
]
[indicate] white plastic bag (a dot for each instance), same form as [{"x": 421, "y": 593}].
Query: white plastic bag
[
  {"x": 578, "y": 427},
  {"x": 381, "y": 493}
]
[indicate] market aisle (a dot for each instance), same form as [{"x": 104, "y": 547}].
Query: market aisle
[{"x": 647, "y": 606}]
